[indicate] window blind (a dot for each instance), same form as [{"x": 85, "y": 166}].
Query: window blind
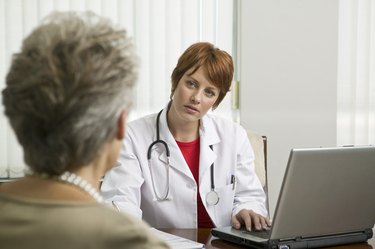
[
  {"x": 356, "y": 73},
  {"x": 161, "y": 31}
]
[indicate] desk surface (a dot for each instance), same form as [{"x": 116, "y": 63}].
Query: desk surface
[{"x": 203, "y": 235}]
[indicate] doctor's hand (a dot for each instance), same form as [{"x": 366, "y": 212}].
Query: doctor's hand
[{"x": 251, "y": 220}]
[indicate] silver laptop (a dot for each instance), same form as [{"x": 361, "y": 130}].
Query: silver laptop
[{"x": 327, "y": 198}]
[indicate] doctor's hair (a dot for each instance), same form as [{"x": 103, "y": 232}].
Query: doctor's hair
[
  {"x": 66, "y": 89},
  {"x": 217, "y": 64}
]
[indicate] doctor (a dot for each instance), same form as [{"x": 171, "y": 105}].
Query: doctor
[{"x": 186, "y": 168}]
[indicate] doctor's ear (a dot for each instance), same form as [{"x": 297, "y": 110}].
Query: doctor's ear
[{"x": 120, "y": 133}]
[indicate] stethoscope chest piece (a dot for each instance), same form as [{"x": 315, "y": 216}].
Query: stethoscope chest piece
[{"x": 212, "y": 198}]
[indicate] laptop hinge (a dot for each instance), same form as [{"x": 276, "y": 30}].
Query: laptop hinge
[
  {"x": 368, "y": 232},
  {"x": 315, "y": 241}
]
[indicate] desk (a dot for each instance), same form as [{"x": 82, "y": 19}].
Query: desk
[{"x": 203, "y": 235}]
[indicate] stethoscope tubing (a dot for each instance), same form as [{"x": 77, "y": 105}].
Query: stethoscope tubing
[{"x": 212, "y": 197}]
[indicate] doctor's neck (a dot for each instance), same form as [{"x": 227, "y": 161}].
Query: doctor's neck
[{"x": 182, "y": 130}]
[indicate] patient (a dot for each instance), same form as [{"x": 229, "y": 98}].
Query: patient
[{"x": 67, "y": 96}]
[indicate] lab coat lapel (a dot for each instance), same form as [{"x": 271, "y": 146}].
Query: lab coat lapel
[
  {"x": 208, "y": 136},
  {"x": 176, "y": 160}
]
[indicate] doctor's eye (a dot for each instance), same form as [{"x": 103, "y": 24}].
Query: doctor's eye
[
  {"x": 210, "y": 93},
  {"x": 191, "y": 84}
]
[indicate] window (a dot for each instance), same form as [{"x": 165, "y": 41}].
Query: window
[
  {"x": 356, "y": 73},
  {"x": 161, "y": 30}
]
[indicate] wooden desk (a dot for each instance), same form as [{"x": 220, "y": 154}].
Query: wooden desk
[{"x": 203, "y": 235}]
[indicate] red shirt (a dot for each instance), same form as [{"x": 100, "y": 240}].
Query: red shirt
[{"x": 191, "y": 151}]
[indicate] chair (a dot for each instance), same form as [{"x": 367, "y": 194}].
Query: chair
[{"x": 259, "y": 144}]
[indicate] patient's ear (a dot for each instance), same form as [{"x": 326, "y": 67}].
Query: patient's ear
[{"x": 120, "y": 134}]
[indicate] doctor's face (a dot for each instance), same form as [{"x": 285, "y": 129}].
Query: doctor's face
[{"x": 194, "y": 95}]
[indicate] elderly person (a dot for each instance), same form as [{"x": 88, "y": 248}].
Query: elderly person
[{"x": 67, "y": 96}]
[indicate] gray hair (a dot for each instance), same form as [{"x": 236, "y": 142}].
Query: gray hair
[{"x": 66, "y": 88}]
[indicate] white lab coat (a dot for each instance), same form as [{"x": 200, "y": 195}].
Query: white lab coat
[{"x": 129, "y": 184}]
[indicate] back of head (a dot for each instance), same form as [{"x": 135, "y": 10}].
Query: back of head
[{"x": 66, "y": 89}]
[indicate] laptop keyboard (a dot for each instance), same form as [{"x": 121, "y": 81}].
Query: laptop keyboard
[{"x": 265, "y": 234}]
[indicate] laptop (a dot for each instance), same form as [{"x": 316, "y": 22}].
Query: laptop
[{"x": 327, "y": 198}]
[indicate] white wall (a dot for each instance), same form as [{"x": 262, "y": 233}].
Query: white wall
[{"x": 288, "y": 76}]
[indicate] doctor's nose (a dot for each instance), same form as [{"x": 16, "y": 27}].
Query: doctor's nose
[{"x": 196, "y": 98}]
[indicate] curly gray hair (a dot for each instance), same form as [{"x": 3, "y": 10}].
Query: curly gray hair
[{"x": 66, "y": 88}]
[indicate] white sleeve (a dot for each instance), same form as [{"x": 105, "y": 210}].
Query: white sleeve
[
  {"x": 121, "y": 185},
  {"x": 249, "y": 192}
]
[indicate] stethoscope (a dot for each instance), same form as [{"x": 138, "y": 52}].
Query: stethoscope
[{"x": 212, "y": 198}]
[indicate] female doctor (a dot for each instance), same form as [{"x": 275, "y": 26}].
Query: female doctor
[{"x": 186, "y": 168}]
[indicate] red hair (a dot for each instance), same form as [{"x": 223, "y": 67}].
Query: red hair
[{"x": 217, "y": 64}]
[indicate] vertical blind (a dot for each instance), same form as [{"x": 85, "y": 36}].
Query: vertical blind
[
  {"x": 356, "y": 73},
  {"x": 161, "y": 31}
]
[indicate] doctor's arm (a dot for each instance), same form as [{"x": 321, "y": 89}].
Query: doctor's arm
[
  {"x": 249, "y": 201},
  {"x": 121, "y": 186}
]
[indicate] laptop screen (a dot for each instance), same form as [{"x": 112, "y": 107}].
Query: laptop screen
[{"x": 326, "y": 191}]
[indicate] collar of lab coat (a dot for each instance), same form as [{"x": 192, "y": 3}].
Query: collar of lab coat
[{"x": 208, "y": 136}]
